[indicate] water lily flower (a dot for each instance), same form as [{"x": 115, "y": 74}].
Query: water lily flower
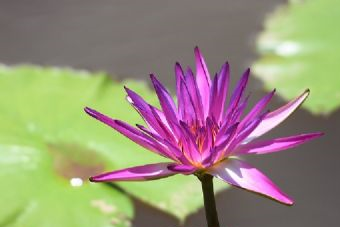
[{"x": 204, "y": 133}]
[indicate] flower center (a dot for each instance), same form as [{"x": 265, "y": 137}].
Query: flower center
[{"x": 204, "y": 137}]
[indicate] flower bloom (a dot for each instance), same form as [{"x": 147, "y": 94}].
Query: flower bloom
[{"x": 203, "y": 135}]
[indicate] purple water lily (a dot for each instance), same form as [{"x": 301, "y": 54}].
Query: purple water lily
[{"x": 202, "y": 135}]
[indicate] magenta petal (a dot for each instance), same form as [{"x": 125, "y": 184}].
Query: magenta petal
[
  {"x": 186, "y": 107},
  {"x": 194, "y": 94},
  {"x": 130, "y": 132},
  {"x": 219, "y": 93},
  {"x": 179, "y": 75},
  {"x": 277, "y": 116},
  {"x": 203, "y": 80},
  {"x": 244, "y": 133},
  {"x": 189, "y": 144},
  {"x": 137, "y": 173},
  {"x": 238, "y": 93},
  {"x": 240, "y": 174},
  {"x": 146, "y": 112},
  {"x": 274, "y": 145},
  {"x": 221, "y": 148},
  {"x": 257, "y": 109},
  {"x": 165, "y": 99},
  {"x": 183, "y": 169}
]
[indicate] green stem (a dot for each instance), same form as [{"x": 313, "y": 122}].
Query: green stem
[{"x": 209, "y": 200}]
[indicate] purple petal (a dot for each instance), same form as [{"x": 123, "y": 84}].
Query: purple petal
[
  {"x": 236, "y": 116},
  {"x": 274, "y": 145},
  {"x": 208, "y": 138},
  {"x": 240, "y": 174},
  {"x": 179, "y": 77},
  {"x": 137, "y": 173},
  {"x": 213, "y": 98},
  {"x": 203, "y": 80},
  {"x": 194, "y": 94},
  {"x": 130, "y": 132},
  {"x": 183, "y": 169},
  {"x": 165, "y": 99},
  {"x": 166, "y": 130},
  {"x": 238, "y": 93},
  {"x": 277, "y": 116},
  {"x": 246, "y": 131},
  {"x": 186, "y": 106},
  {"x": 189, "y": 144},
  {"x": 174, "y": 152},
  {"x": 146, "y": 111},
  {"x": 220, "y": 93},
  {"x": 257, "y": 109},
  {"x": 223, "y": 143}
]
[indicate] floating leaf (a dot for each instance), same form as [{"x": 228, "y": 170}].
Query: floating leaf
[
  {"x": 49, "y": 143},
  {"x": 300, "y": 49}
]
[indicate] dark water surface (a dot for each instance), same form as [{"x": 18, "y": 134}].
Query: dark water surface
[{"x": 134, "y": 38}]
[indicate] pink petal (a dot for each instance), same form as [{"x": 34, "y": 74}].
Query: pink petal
[
  {"x": 137, "y": 173},
  {"x": 221, "y": 148},
  {"x": 179, "y": 75},
  {"x": 147, "y": 113},
  {"x": 203, "y": 80},
  {"x": 186, "y": 107},
  {"x": 130, "y": 132},
  {"x": 237, "y": 94},
  {"x": 240, "y": 174},
  {"x": 183, "y": 169},
  {"x": 189, "y": 144},
  {"x": 277, "y": 116},
  {"x": 174, "y": 152},
  {"x": 274, "y": 145},
  {"x": 194, "y": 94},
  {"x": 165, "y": 99},
  {"x": 244, "y": 133},
  {"x": 213, "y": 98},
  {"x": 257, "y": 109},
  {"x": 217, "y": 105}
]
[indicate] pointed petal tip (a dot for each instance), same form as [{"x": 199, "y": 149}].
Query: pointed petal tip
[
  {"x": 94, "y": 179},
  {"x": 86, "y": 109},
  {"x": 154, "y": 80},
  {"x": 247, "y": 72},
  {"x": 227, "y": 64},
  {"x": 306, "y": 93},
  {"x": 197, "y": 52},
  {"x": 97, "y": 179},
  {"x": 126, "y": 88},
  {"x": 90, "y": 111},
  {"x": 289, "y": 203},
  {"x": 242, "y": 175},
  {"x": 316, "y": 135},
  {"x": 136, "y": 173}
]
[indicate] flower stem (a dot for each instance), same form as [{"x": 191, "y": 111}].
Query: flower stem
[{"x": 209, "y": 200}]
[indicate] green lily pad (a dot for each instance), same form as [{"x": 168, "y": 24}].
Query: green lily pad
[
  {"x": 300, "y": 49},
  {"x": 49, "y": 143}
]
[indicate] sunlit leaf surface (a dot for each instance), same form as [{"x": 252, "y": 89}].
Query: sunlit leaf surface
[
  {"x": 300, "y": 49},
  {"x": 49, "y": 147}
]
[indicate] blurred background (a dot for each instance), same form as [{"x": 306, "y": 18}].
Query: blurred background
[{"x": 131, "y": 39}]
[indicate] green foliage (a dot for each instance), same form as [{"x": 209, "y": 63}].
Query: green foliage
[
  {"x": 46, "y": 140},
  {"x": 300, "y": 49}
]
